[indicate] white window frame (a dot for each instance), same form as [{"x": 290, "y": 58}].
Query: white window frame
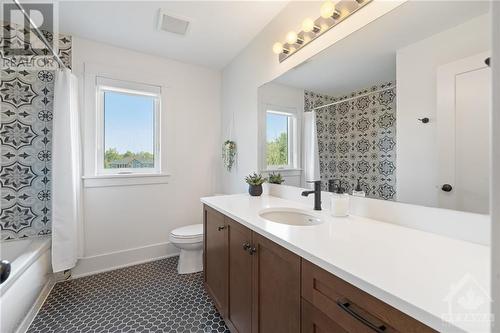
[
  {"x": 133, "y": 88},
  {"x": 293, "y": 151}
]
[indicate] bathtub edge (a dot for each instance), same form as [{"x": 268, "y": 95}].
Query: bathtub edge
[{"x": 33, "y": 311}]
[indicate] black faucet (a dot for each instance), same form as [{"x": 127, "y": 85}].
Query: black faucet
[
  {"x": 317, "y": 194},
  {"x": 4, "y": 270}
]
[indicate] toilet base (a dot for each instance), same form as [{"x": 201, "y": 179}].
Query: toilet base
[{"x": 190, "y": 261}]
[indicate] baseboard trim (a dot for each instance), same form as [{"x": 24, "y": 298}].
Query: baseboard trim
[
  {"x": 120, "y": 259},
  {"x": 30, "y": 316}
]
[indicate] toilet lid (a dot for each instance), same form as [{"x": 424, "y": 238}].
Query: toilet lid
[{"x": 189, "y": 231}]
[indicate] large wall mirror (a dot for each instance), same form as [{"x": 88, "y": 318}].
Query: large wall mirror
[{"x": 401, "y": 106}]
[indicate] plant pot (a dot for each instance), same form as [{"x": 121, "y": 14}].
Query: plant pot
[{"x": 255, "y": 190}]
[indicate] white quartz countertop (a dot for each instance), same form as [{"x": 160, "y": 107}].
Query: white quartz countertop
[{"x": 424, "y": 275}]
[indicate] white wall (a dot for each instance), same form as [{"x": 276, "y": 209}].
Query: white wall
[
  {"x": 257, "y": 65},
  {"x": 281, "y": 97},
  {"x": 495, "y": 188},
  {"x": 124, "y": 224},
  {"x": 416, "y": 90}
]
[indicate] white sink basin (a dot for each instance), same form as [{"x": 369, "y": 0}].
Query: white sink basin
[{"x": 290, "y": 216}]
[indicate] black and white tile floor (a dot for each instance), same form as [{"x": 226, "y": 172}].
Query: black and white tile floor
[{"x": 149, "y": 297}]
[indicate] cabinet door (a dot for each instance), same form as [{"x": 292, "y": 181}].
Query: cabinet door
[
  {"x": 276, "y": 288},
  {"x": 240, "y": 277},
  {"x": 215, "y": 257}
]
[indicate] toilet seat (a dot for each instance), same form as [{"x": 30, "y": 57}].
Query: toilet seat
[{"x": 188, "y": 234}]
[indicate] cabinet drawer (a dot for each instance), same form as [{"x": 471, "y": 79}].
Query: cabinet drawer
[
  {"x": 315, "y": 321},
  {"x": 351, "y": 308}
]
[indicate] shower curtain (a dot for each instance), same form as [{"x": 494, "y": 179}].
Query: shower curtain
[
  {"x": 311, "y": 153},
  {"x": 66, "y": 166}
]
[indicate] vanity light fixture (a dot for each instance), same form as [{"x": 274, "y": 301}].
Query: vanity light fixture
[
  {"x": 278, "y": 48},
  {"x": 292, "y": 38},
  {"x": 328, "y": 10},
  {"x": 308, "y": 25},
  {"x": 331, "y": 14}
]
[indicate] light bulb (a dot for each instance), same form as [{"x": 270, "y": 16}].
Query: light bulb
[
  {"x": 308, "y": 25},
  {"x": 328, "y": 10},
  {"x": 291, "y": 37},
  {"x": 277, "y": 48}
]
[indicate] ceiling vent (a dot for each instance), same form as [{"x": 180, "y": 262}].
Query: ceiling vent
[{"x": 172, "y": 23}]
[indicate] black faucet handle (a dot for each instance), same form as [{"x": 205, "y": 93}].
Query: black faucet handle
[{"x": 332, "y": 186}]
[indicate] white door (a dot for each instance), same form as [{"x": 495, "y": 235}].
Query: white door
[{"x": 463, "y": 124}]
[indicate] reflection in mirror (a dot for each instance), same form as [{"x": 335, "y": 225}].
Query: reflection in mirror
[{"x": 401, "y": 106}]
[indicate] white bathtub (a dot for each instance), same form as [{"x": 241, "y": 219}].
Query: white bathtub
[{"x": 30, "y": 276}]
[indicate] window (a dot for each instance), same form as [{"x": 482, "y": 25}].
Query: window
[
  {"x": 128, "y": 131},
  {"x": 280, "y": 136}
]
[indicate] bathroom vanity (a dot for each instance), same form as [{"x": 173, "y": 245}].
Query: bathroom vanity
[
  {"x": 389, "y": 114},
  {"x": 340, "y": 275}
]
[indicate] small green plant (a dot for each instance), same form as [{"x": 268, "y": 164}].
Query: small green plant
[
  {"x": 229, "y": 154},
  {"x": 275, "y": 178},
  {"x": 255, "y": 179}
]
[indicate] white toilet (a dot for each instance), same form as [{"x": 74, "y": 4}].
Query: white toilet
[{"x": 189, "y": 240}]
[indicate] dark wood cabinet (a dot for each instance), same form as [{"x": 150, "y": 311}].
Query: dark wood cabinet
[
  {"x": 259, "y": 286},
  {"x": 215, "y": 257},
  {"x": 240, "y": 278},
  {"x": 276, "y": 288},
  {"x": 254, "y": 282},
  {"x": 315, "y": 321},
  {"x": 351, "y": 308}
]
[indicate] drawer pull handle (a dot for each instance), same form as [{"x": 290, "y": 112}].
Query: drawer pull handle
[
  {"x": 346, "y": 306},
  {"x": 222, "y": 227},
  {"x": 246, "y": 246}
]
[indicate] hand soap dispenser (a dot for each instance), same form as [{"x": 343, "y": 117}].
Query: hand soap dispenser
[
  {"x": 358, "y": 191},
  {"x": 339, "y": 201}
]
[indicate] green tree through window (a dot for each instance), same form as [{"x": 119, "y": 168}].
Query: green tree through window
[
  {"x": 277, "y": 150},
  {"x": 114, "y": 160}
]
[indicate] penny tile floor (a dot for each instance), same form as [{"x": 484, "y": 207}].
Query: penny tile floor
[{"x": 150, "y": 297}]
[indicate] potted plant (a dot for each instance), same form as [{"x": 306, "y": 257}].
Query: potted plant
[
  {"x": 275, "y": 178},
  {"x": 255, "y": 182},
  {"x": 228, "y": 154}
]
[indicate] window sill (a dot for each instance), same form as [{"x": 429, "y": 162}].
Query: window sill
[
  {"x": 125, "y": 179},
  {"x": 283, "y": 169},
  {"x": 286, "y": 172}
]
